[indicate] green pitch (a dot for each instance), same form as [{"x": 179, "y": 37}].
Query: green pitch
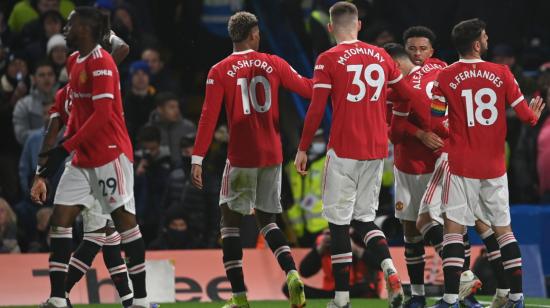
[{"x": 312, "y": 303}]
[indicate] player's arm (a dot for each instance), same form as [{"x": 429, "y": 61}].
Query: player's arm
[
  {"x": 119, "y": 48},
  {"x": 322, "y": 85},
  {"x": 207, "y": 124},
  {"x": 528, "y": 114},
  {"x": 291, "y": 80}
]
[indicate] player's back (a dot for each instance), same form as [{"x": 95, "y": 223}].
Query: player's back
[
  {"x": 250, "y": 83},
  {"x": 358, "y": 74},
  {"x": 93, "y": 78},
  {"x": 476, "y": 93}
]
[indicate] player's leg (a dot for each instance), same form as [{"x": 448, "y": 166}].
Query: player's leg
[
  {"x": 115, "y": 264},
  {"x": 268, "y": 196},
  {"x": 459, "y": 196},
  {"x": 72, "y": 194},
  {"x": 496, "y": 209},
  {"x": 94, "y": 238},
  {"x": 369, "y": 181},
  {"x": 469, "y": 283},
  {"x": 339, "y": 194},
  {"x": 493, "y": 253}
]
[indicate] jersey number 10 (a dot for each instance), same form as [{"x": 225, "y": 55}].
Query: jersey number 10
[
  {"x": 377, "y": 83},
  {"x": 248, "y": 94},
  {"x": 476, "y": 115}
]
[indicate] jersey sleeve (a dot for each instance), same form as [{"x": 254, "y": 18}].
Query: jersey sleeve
[
  {"x": 516, "y": 100},
  {"x": 209, "y": 117},
  {"x": 322, "y": 87},
  {"x": 439, "y": 102},
  {"x": 291, "y": 80},
  {"x": 102, "y": 72},
  {"x": 57, "y": 107}
]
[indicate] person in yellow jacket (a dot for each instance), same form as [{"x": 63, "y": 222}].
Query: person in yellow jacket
[{"x": 305, "y": 214}]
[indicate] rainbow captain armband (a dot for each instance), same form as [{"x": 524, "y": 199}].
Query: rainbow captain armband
[{"x": 438, "y": 108}]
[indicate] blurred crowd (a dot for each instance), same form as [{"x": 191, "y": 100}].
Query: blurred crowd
[{"x": 172, "y": 46}]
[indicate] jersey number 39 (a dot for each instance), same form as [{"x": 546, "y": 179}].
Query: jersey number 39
[{"x": 368, "y": 75}]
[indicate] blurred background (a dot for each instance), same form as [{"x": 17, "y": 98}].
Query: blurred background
[{"x": 173, "y": 44}]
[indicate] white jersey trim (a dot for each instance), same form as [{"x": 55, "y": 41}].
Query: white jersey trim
[
  {"x": 349, "y": 42},
  {"x": 81, "y": 59},
  {"x": 54, "y": 115},
  {"x": 517, "y": 101},
  {"x": 196, "y": 160},
  {"x": 469, "y": 61},
  {"x": 242, "y": 52},
  {"x": 440, "y": 98},
  {"x": 103, "y": 95},
  {"x": 396, "y": 80},
  {"x": 401, "y": 114},
  {"x": 322, "y": 85}
]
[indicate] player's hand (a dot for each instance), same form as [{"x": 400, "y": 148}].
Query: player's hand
[
  {"x": 429, "y": 139},
  {"x": 301, "y": 162},
  {"x": 55, "y": 157},
  {"x": 39, "y": 190},
  {"x": 196, "y": 175},
  {"x": 537, "y": 106}
]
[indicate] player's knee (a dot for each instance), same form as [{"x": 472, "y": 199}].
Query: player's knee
[
  {"x": 123, "y": 220},
  {"x": 264, "y": 218},
  {"x": 64, "y": 216},
  {"x": 410, "y": 229},
  {"x": 481, "y": 227},
  {"x": 502, "y": 230},
  {"x": 423, "y": 220}
]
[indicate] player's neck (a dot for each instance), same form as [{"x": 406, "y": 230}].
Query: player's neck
[
  {"x": 407, "y": 68},
  {"x": 345, "y": 37},
  {"x": 471, "y": 56},
  {"x": 86, "y": 47},
  {"x": 238, "y": 47}
]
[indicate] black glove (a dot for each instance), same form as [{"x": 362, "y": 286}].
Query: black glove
[{"x": 55, "y": 157}]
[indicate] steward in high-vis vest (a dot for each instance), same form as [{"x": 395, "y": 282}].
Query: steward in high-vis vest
[{"x": 305, "y": 214}]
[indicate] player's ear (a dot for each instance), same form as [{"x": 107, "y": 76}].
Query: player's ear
[
  {"x": 330, "y": 28},
  {"x": 359, "y": 24}
]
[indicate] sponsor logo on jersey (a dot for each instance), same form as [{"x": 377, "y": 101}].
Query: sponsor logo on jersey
[
  {"x": 98, "y": 73},
  {"x": 319, "y": 67},
  {"x": 83, "y": 77},
  {"x": 209, "y": 81},
  {"x": 399, "y": 206}
]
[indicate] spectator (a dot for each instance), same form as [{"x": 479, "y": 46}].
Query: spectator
[
  {"x": 8, "y": 229},
  {"x": 379, "y": 34},
  {"x": 316, "y": 26},
  {"x": 15, "y": 82},
  {"x": 153, "y": 168},
  {"x": 365, "y": 276},
  {"x": 27, "y": 114},
  {"x": 57, "y": 54},
  {"x": 139, "y": 100},
  {"x": 161, "y": 77},
  {"x": 176, "y": 232},
  {"x": 504, "y": 54},
  {"x": 167, "y": 118},
  {"x": 543, "y": 154},
  {"x": 35, "y": 35},
  {"x": 28, "y": 10},
  {"x": 41, "y": 242}
]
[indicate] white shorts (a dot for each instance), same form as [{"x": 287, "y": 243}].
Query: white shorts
[
  {"x": 246, "y": 189},
  {"x": 111, "y": 185},
  {"x": 409, "y": 189},
  {"x": 351, "y": 189},
  {"x": 93, "y": 219},
  {"x": 465, "y": 200},
  {"x": 431, "y": 200}
]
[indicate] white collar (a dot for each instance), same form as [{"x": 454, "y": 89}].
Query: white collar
[
  {"x": 242, "y": 52},
  {"x": 469, "y": 61},
  {"x": 348, "y": 42},
  {"x": 81, "y": 59},
  {"x": 414, "y": 69}
]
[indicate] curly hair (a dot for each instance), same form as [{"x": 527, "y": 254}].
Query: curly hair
[{"x": 240, "y": 25}]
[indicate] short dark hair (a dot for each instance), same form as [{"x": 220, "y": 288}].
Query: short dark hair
[
  {"x": 163, "y": 97},
  {"x": 465, "y": 33},
  {"x": 149, "y": 134},
  {"x": 52, "y": 14},
  {"x": 93, "y": 18},
  {"x": 419, "y": 31},
  {"x": 41, "y": 63},
  {"x": 342, "y": 8},
  {"x": 396, "y": 50},
  {"x": 240, "y": 25}
]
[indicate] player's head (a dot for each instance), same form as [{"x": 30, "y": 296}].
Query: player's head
[
  {"x": 243, "y": 29},
  {"x": 344, "y": 19},
  {"x": 168, "y": 107},
  {"x": 470, "y": 38},
  {"x": 400, "y": 56},
  {"x": 85, "y": 24},
  {"x": 419, "y": 42}
]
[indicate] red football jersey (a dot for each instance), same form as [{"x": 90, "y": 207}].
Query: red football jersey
[
  {"x": 411, "y": 155},
  {"x": 355, "y": 75},
  {"x": 62, "y": 105},
  {"x": 247, "y": 82},
  {"x": 98, "y": 131},
  {"x": 476, "y": 93}
]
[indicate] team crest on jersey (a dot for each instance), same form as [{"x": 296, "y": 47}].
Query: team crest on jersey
[
  {"x": 399, "y": 206},
  {"x": 83, "y": 77}
]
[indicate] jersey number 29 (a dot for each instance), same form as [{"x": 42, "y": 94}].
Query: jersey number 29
[{"x": 248, "y": 94}]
